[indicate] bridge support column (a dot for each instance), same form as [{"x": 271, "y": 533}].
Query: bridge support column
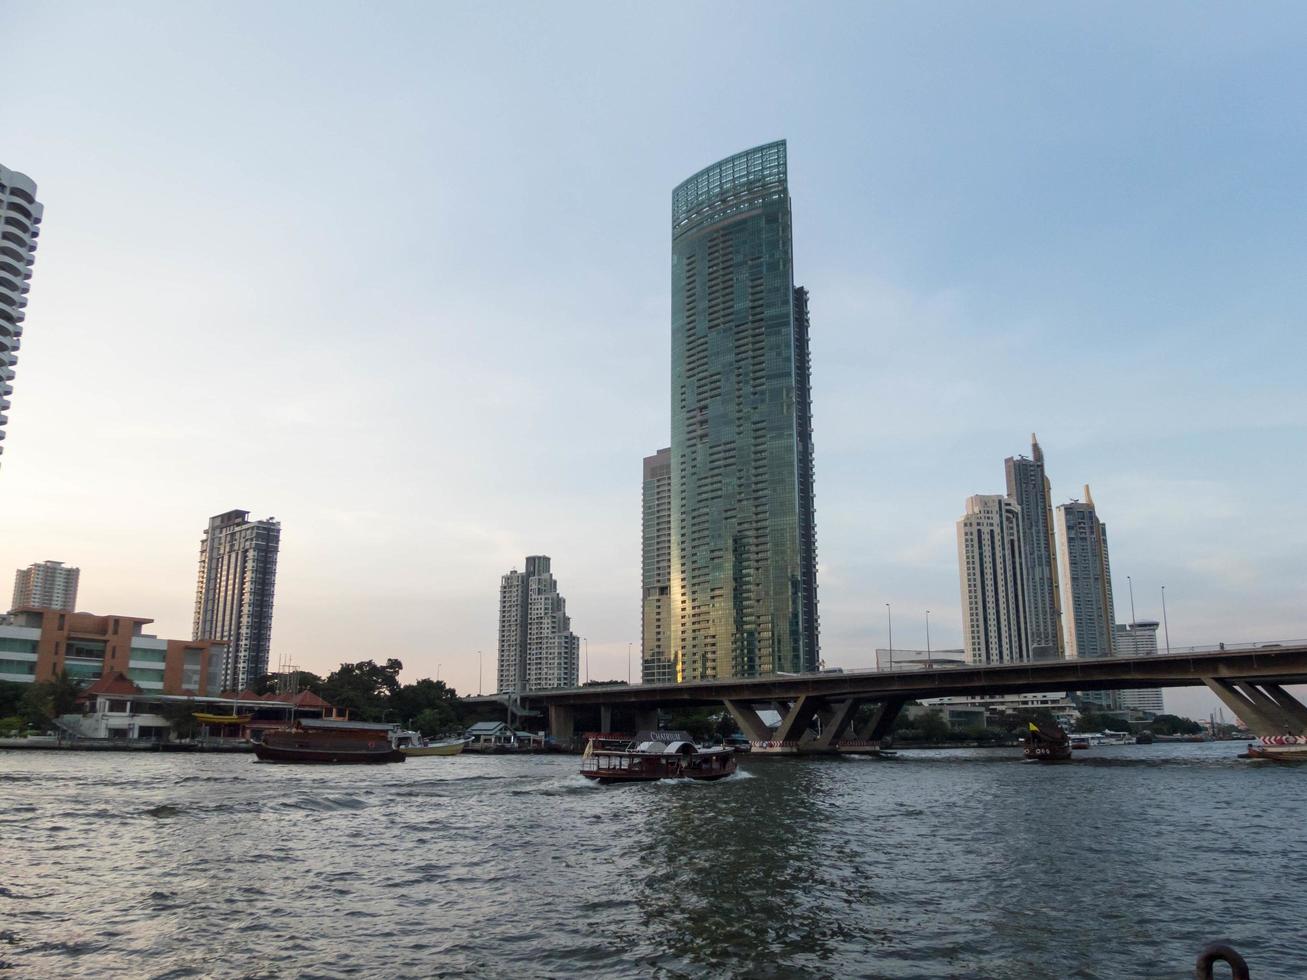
[
  {"x": 753, "y": 727},
  {"x": 1289, "y": 704},
  {"x": 562, "y": 722},
  {"x": 835, "y": 721},
  {"x": 605, "y": 718},
  {"x": 646, "y": 720},
  {"x": 796, "y": 721},
  {"x": 1285, "y": 721},
  {"x": 882, "y": 721},
  {"x": 1249, "y": 713}
]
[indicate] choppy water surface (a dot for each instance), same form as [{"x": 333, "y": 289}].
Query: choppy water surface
[{"x": 935, "y": 864}]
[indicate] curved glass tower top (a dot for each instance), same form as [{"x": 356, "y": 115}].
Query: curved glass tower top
[
  {"x": 742, "y": 582},
  {"x": 731, "y": 186}
]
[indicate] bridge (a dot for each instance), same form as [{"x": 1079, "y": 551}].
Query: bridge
[{"x": 1250, "y": 679}]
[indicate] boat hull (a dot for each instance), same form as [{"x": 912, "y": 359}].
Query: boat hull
[
  {"x": 451, "y": 749},
  {"x": 1280, "y": 748},
  {"x": 298, "y": 747}
]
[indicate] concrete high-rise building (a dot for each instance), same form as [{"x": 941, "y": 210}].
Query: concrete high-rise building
[
  {"x": 1138, "y": 639},
  {"x": 234, "y": 593},
  {"x": 743, "y": 578},
  {"x": 537, "y": 648},
  {"x": 992, "y": 572},
  {"x": 1086, "y": 579},
  {"x": 1028, "y": 487},
  {"x": 46, "y": 585},
  {"x": 20, "y": 227},
  {"x": 657, "y": 666}
]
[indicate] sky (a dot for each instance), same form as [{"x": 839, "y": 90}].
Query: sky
[{"x": 399, "y": 276}]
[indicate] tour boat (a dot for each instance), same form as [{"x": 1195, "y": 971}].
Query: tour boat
[
  {"x": 329, "y": 740},
  {"x": 1280, "y": 748},
  {"x": 1049, "y": 744},
  {"x": 652, "y": 759}
]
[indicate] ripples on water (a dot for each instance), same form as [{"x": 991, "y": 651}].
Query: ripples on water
[{"x": 935, "y": 864}]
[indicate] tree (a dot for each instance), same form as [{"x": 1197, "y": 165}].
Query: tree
[
  {"x": 1175, "y": 725},
  {"x": 363, "y": 688},
  {"x": 302, "y": 680},
  {"x": 426, "y": 695},
  {"x": 700, "y": 723},
  {"x": 181, "y": 717},
  {"x": 438, "y": 720},
  {"x": 11, "y": 693}
]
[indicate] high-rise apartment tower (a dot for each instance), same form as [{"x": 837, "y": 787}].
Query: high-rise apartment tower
[
  {"x": 46, "y": 585},
  {"x": 537, "y": 648},
  {"x": 992, "y": 572},
  {"x": 20, "y": 227},
  {"x": 1086, "y": 579},
  {"x": 1028, "y": 487},
  {"x": 1139, "y": 639},
  {"x": 743, "y": 578},
  {"x": 657, "y": 666},
  {"x": 234, "y": 593}
]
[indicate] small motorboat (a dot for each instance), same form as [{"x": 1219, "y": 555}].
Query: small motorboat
[
  {"x": 413, "y": 743},
  {"x": 1047, "y": 743},
  {"x": 324, "y": 740},
  {"x": 652, "y": 758}
]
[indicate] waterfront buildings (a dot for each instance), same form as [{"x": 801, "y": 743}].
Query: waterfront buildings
[
  {"x": 1028, "y": 488},
  {"x": 38, "y": 644},
  {"x": 47, "y": 584},
  {"x": 1087, "y": 587},
  {"x": 992, "y": 566},
  {"x": 1138, "y": 639},
  {"x": 20, "y": 227},
  {"x": 537, "y": 648},
  {"x": 742, "y": 589},
  {"x": 234, "y": 594},
  {"x": 656, "y": 663}
]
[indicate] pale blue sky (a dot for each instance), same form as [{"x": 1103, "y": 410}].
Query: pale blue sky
[{"x": 400, "y": 278}]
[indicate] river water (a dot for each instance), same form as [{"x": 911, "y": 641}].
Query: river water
[{"x": 934, "y": 864}]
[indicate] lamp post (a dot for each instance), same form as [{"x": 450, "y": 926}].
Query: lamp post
[
  {"x": 1166, "y": 629},
  {"x": 927, "y": 636},
  {"x": 587, "y": 660},
  {"x": 628, "y": 665},
  {"x": 1130, "y": 582},
  {"x": 480, "y": 673},
  {"x": 889, "y": 621}
]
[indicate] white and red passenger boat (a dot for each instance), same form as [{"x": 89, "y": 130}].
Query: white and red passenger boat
[{"x": 1280, "y": 748}]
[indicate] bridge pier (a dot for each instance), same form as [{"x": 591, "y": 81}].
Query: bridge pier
[
  {"x": 605, "y": 718},
  {"x": 835, "y": 720},
  {"x": 882, "y": 721},
  {"x": 1273, "y": 711},
  {"x": 562, "y": 722},
  {"x": 1289, "y": 704},
  {"x": 753, "y": 727}
]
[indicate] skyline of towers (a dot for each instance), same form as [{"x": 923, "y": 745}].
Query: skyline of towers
[
  {"x": 46, "y": 585},
  {"x": 20, "y": 227},
  {"x": 1029, "y": 488},
  {"x": 742, "y": 579},
  {"x": 995, "y": 594},
  {"x": 1087, "y": 579},
  {"x": 537, "y": 648},
  {"x": 656, "y": 665},
  {"x": 235, "y": 591}
]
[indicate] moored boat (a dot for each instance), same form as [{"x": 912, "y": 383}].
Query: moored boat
[
  {"x": 652, "y": 758},
  {"x": 322, "y": 740},
  {"x": 414, "y": 744},
  {"x": 1047, "y": 743}
]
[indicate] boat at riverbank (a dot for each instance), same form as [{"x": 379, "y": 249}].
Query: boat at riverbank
[
  {"x": 329, "y": 741},
  {"x": 414, "y": 744},
  {"x": 652, "y": 759}
]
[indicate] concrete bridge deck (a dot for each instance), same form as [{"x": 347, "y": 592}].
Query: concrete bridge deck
[{"x": 1249, "y": 678}]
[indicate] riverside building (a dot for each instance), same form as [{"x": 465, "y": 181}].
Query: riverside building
[
  {"x": 656, "y": 664},
  {"x": 39, "y": 644},
  {"x": 537, "y": 648},
  {"x": 234, "y": 594},
  {"x": 20, "y": 227},
  {"x": 48, "y": 585},
  {"x": 1138, "y": 639},
  {"x": 1087, "y": 587},
  {"x": 991, "y": 563},
  {"x": 1028, "y": 488},
  {"x": 742, "y": 584}
]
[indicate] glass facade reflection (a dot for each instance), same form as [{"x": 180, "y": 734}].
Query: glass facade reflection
[{"x": 743, "y": 564}]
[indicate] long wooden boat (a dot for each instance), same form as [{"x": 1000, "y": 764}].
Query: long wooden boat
[
  {"x": 651, "y": 759},
  {"x": 329, "y": 741},
  {"x": 450, "y": 747},
  {"x": 1047, "y": 743},
  {"x": 1280, "y": 748}
]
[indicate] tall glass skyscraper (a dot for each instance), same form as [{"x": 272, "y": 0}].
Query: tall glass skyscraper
[
  {"x": 743, "y": 584},
  {"x": 20, "y": 227},
  {"x": 1028, "y": 487}
]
